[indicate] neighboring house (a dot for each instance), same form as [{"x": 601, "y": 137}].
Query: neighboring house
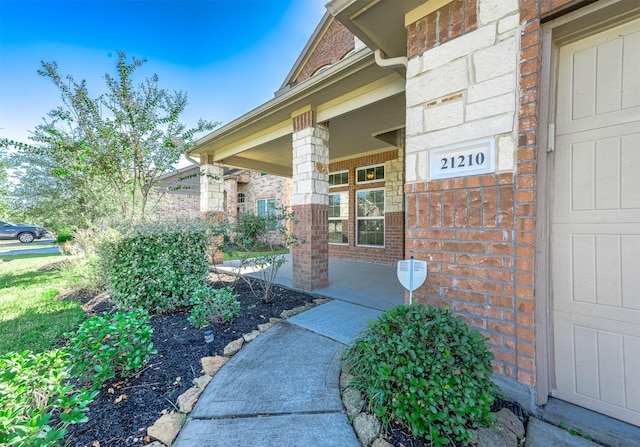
[
  {"x": 178, "y": 193},
  {"x": 498, "y": 140}
]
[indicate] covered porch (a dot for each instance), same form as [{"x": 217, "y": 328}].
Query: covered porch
[
  {"x": 364, "y": 283},
  {"x": 339, "y": 136}
]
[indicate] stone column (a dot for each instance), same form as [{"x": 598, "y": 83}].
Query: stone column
[
  {"x": 231, "y": 186},
  {"x": 211, "y": 185},
  {"x": 310, "y": 201}
]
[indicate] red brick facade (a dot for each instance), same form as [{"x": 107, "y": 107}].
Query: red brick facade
[
  {"x": 478, "y": 233},
  {"x": 311, "y": 258},
  {"x": 393, "y": 249},
  {"x": 335, "y": 44},
  {"x": 452, "y": 20}
]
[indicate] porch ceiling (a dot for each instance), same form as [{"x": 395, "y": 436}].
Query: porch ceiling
[
  {"x": 358, "y": 98},
  {"x": 378, "y": 23}
]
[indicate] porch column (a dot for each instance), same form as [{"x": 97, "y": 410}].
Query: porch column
[
  {"x": 211, "y": 185},
  {"x": 310, "y": 201},
  {"x": 231, "y": 186}
]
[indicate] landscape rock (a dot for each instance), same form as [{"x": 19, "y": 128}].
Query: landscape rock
[
  {"x": 320, "y": 301},
  {"x": 367, "y": 428},
  {"x": 275, "y": 321},
  {"x": 353, "y": 401},
  {"x": 233, "y": 347},
  {"x": 381, "y": 443},
  {"x": 188, "y": 399},
  {"x": 509, "y": 421},
  {"x": 203, "y": 381},
  {"x": 155, "y": 444},
  {"x": 345, "y": 378},
  {"x": 264, "y": 327},
  {"x": 291, "y": 312},
  {"x": 249, "y": 337},
  {"x": 166, "y": 428},
  {"x": 211, "y": 365},
  {"x": 495, "y": 437}
]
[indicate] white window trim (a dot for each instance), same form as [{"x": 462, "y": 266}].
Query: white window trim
[
  {"x": 342, "y": 185},
  {"x": 364, "y": 168},
  {"x": 358, "y": 218},
  {"x": 341, "y": 218}
]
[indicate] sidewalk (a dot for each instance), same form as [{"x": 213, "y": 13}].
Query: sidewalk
[{"x": 282, "y": 389}]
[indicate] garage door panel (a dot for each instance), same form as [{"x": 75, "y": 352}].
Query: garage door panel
[
  {"x": 630, "y": 170},
  {"x": 598, "y": 176},
  {"x": 631, "y": 71},
  {"x": 596, "y": 80},
  {"x": 600, "y": 366},
  {"x": 599, "y": 265}
]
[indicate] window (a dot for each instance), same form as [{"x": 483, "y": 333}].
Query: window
[
  {"x": 339, "y": 218},
  {"x": 240, "y": 197},
  {"x": 370, "y": 217},
  {"x": 370, "y": 174},
  {"x": 266, "y": 207},
  {"x": 339, "y": 178}
]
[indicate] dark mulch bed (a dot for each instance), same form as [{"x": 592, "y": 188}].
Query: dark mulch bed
[{"x": 124, "y": 409}]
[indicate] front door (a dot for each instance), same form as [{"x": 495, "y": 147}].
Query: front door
[{"x": 595, "y": 240}]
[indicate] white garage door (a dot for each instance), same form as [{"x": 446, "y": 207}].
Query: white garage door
[{"x": 596, "y": 223}]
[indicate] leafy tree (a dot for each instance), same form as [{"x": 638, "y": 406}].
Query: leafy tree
[{"x": 108, "y": 150}]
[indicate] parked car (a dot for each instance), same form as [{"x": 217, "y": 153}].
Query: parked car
[{"x": 23, "y": 233}]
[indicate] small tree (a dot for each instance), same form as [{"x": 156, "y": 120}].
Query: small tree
[
  {"x": 124, "y": 139},
  {"x": 259, "y": 242}
]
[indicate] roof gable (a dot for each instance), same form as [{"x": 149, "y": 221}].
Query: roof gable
[{"x": 330, "y": 42}]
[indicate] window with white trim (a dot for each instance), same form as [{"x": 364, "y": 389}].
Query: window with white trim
[
  {"x": 370, "y": 217},
  {"x": 266, "y": 207},
  {"x": 339, "y": 178},
  {"x": 240, "y": 197},
  {"x": 370, "y": 174},
  {"x": 339, "y": 218}
]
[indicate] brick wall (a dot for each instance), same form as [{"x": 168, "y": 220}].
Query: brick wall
[
  {"x": 167, "y": 205},
  {"x": 393, "y": 250},
  {"x": 335, "y": 44},
  {"x": 478, "y": 233}
]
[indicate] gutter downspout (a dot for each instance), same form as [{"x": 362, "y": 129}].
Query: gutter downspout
[
  {"x": 390, "y": 62},
  {"x": 192, "y": 160}
]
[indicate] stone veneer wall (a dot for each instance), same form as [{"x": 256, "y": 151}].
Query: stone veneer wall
[
  {"x": 170, "y": 205},
  {"x": 477, "y": 233},
  {"x": 264, "y": 187},
  {"x": 393, "y": 250}
]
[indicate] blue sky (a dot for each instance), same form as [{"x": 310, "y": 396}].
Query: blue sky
[{"x": 228, "y": 55}]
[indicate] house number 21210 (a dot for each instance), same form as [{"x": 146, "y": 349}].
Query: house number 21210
[{"x": 462, "y": 161}]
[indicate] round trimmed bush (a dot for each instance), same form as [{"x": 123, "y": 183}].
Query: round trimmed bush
[{"x": 426, "y": 370}]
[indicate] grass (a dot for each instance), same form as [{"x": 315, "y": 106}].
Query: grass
[{"x": 31, "y": 315}]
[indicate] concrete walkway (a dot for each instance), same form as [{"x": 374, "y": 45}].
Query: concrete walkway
[{"x": 282, "y": 389}]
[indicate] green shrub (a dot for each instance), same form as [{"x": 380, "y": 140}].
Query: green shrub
[
  {"x": 111, "y": 345},
  {"x": 425, "y": 369},
  {"x": 213, "y": 306},
  {"x": 34, "y": 387},
  {"x": 155, "y": 266},
  {"x": 64, "y": 235}
]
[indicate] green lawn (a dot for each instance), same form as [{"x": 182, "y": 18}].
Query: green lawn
[{"x": 31, "y": 316}]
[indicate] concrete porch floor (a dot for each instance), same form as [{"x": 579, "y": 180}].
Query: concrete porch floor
[{"x": 363, "y": 283}]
